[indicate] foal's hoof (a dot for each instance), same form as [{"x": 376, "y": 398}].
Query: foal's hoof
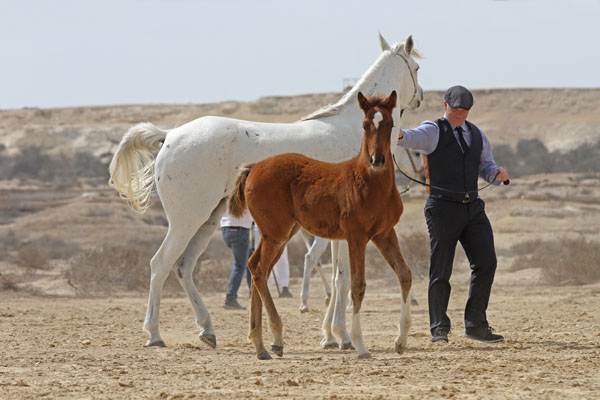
[
  {"x": 278, "y": 350},
  {"x": 264, "y": 355},
  {"x": 400, "y": 349},
  {"x": 364, "y": 356},
  {"x": 155, "y": 343},
  {"x": 209, "y": 339},
  {"x": 347, "y": 346},
  {"x": 304, "y": 308},
  {"x": 414, "y": 301}
]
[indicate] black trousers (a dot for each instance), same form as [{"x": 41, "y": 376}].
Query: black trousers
[{"x": 448, "y": 223}]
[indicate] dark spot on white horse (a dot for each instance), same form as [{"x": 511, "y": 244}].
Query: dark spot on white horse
[
  {"x": 169, "y": 176},
  {"x": 168, "y": 146},
  {"x": 247, "y": 134},
  {"x": 158, "y": 178},
  {"x": 179, "y": 273}
]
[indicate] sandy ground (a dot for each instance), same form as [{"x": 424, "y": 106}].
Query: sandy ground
[{"x": 93, "y": 348}]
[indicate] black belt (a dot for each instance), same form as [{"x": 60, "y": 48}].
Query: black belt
[{"x": 466, "y": 200}]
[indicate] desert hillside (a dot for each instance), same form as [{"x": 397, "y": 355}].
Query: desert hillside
[{"x": 561, "y": 118}]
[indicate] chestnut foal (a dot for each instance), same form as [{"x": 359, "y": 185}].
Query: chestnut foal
[{"x": 356, "y": 200}]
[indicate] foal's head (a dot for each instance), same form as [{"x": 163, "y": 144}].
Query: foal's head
[{"x": 378, "y": 124}]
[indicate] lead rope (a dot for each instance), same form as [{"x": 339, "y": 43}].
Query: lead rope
[{"x": 506, "y": 182}]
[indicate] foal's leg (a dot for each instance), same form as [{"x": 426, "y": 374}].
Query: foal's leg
[
  {"x": 357, "y": 272},
  {"x": 186, "y": 265},
  {"x": 269, "y": 252},
  {"x": 314, "y": 252},
  {"x": 387, "y": 243}
]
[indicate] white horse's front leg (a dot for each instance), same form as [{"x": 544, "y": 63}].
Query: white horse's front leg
[
  {"x": 329, "y": 340},
  {"x": 404, "y": 325},
  {"x": 310, "y": 259},
  {"x": 342, "y": 284}
]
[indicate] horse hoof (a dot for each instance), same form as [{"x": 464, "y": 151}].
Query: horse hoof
[
  {"x": 278, "y": 350},
  {"x": 400, "y": 349},
  {"x": 209, "y": 339},
  {"x": 330, "y": 345},
  {"x": 347, "y": 346},
  {"x": 263, "y": 356},
  {"x": 414, "y": 302},
  {"x": 155, "y": 343},
  {"x": 304, "y": 309},
  {"x": 364, "y": 356}
]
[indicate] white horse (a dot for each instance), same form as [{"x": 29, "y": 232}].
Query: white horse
[
  {"x": 407, "y": 161},
  {"x": 197, "y": 162}
]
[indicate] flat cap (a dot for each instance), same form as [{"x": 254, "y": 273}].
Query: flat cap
[{"x": 459, "y": 97}]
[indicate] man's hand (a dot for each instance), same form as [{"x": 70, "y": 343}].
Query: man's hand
[{"x": 502, "y": 174}]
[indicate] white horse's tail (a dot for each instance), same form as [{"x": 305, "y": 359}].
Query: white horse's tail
[{"x": 132, "y": 166}]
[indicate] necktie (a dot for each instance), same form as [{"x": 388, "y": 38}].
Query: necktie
[{"x": 461, "y": 139}]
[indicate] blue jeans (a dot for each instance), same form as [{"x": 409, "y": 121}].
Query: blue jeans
[{"x": 238, "y": 240}]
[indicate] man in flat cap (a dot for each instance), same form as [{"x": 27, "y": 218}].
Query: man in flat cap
[{"x": 457, "y": 153}]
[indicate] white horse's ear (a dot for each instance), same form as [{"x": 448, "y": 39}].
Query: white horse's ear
[
  {"x": 408, "y": 45},
  {"x": 384, "y": 44}
]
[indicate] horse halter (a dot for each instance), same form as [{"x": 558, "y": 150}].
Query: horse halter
[{"x": 414, "y": 79}]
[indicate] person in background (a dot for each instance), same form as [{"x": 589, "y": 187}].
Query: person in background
[
  {"x": 236, "y": 234},
  {"x": 458, "y": 152},
  {"x": 280, "y": 275}
]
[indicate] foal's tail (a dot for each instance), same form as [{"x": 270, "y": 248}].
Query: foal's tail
[
  {"x": 132, "y": 166},
  {"x": 237, "y": 202}
]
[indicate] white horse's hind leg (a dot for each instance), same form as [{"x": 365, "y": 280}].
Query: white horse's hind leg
[
  {"x": 329, "y": 341},
  {"x": 342, "y": 284},
  {"x": 165, "y": 258},
  {"x": 186, "y": 265},
  {"x": 310, "y": 259}
]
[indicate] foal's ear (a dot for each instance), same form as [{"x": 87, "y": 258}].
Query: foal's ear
[
  {"x": 390, "y": 101},
  {"x": 363, "y": 103}
]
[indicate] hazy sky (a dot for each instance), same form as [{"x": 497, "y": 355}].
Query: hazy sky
[{"x": 57, "y": 53}]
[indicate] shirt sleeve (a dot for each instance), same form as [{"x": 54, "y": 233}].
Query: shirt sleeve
[
  {"x": 487, "y": 166},
  {"x": 424, "y": 137}
]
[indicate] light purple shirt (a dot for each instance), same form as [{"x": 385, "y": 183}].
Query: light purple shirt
[{"x": 425, "y": 138}]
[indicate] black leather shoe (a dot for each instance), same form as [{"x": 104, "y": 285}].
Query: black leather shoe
[
  {"x": 440, "y": 334},
  {"x": 483, "y": 333}
]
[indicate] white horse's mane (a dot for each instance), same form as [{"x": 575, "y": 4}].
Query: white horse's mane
[{"x": 336, "y": 108}]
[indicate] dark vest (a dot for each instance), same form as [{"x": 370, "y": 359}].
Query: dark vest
[{"x": 450, "y": 168}]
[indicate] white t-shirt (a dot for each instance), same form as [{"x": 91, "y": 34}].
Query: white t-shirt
[{"x": 245, "y": 221}]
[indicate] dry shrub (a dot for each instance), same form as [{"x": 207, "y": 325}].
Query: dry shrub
[
  {"x": 8, "y": 243},
  {"x": 565, "y": 261},
  {"x": 524, "y": 248},
  {"x": 29, "y": 256},
  {"x": 6, "y": 283},
  {"x": 111, "y": 268},
  {"x": 416, "y": 249}
]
